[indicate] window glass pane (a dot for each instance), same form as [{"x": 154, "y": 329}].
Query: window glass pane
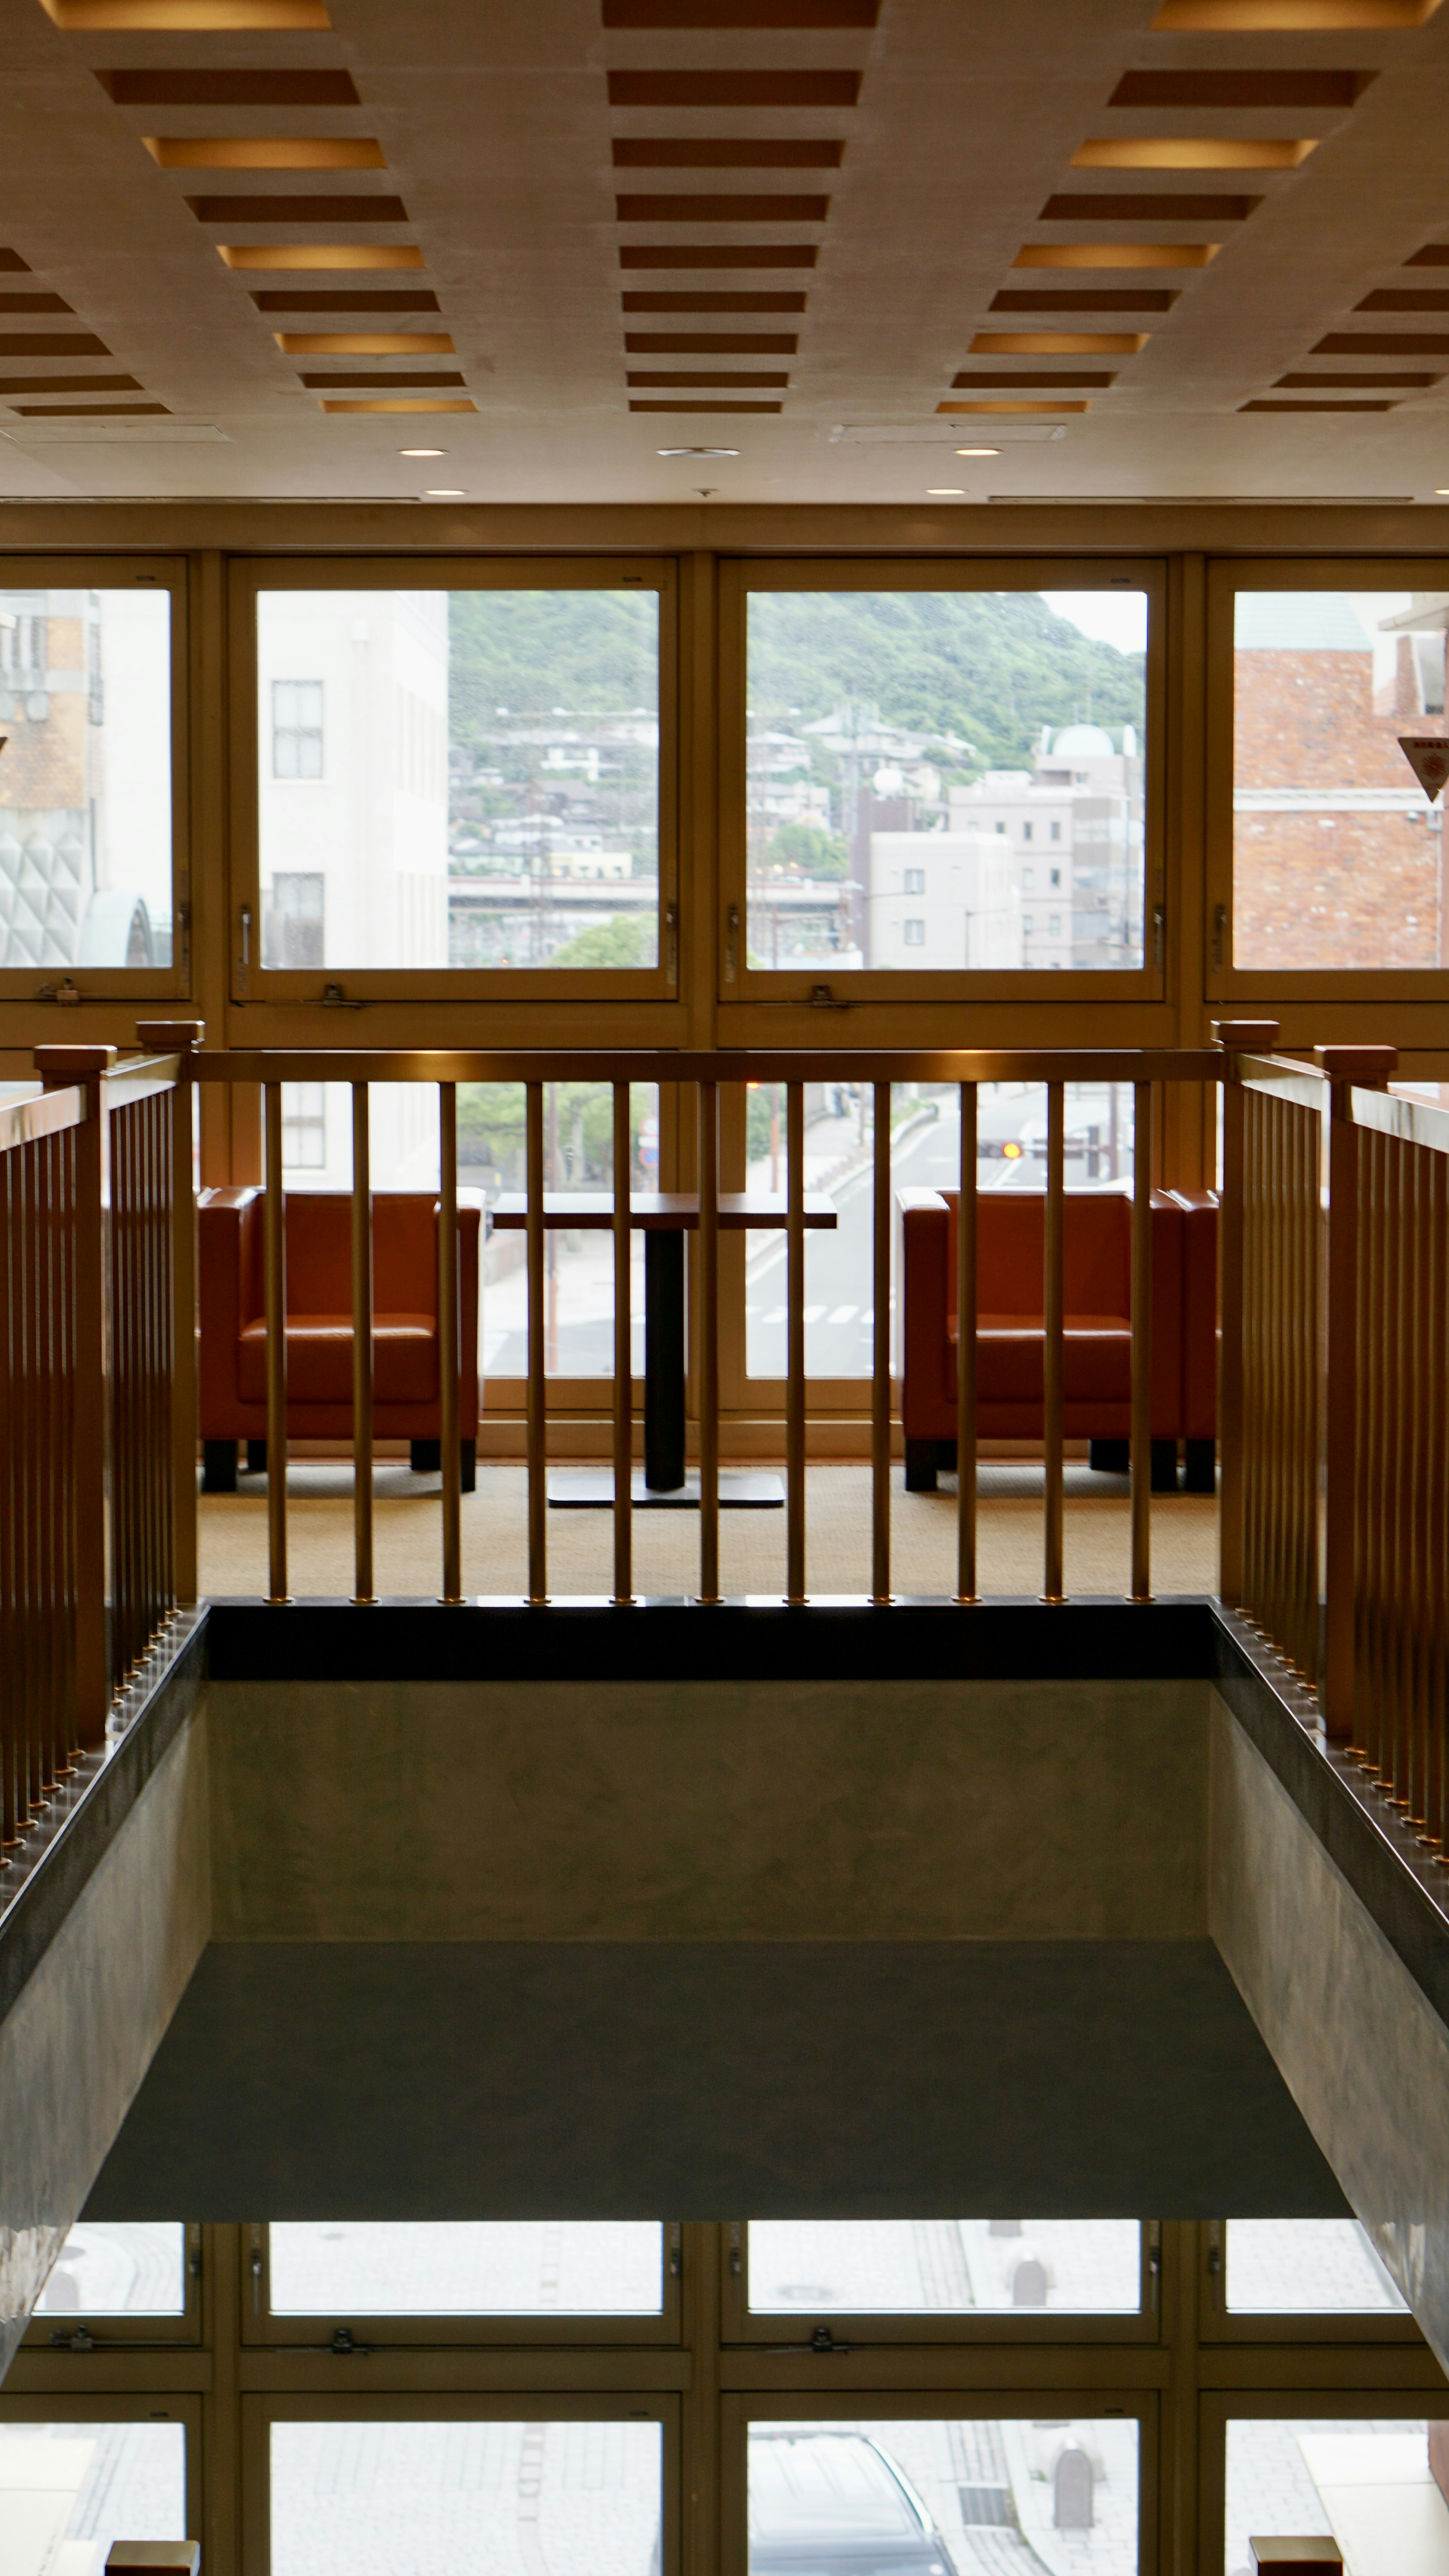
[
  {"x": 580, "y": 2499},
  {"x": 1306, "y": 2267},
  {"x": 578, "y": 1158},
  {"x": 1336, "y": 848},
  {"x": 944, "y": 2266},
  {"x": 925, "y": 1154},
  {"x": 68, "y": 2491},
  {"x": 85, "y": 782},
  {"x": 520, "y": 2268},
  {"x": 1376, "y": 2487},
  {"x": 138, "y": 2269},
  {"x": 943, "y": 2499},
  {"x": 459, "y": 778},
  {"x": 948, "y": 779}
]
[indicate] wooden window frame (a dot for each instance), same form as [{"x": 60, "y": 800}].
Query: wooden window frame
[
  {"x": 171, "y": 573},
  {"x": 545, "y": 2402},
  {"x": 291, "y": 988},
  {"x": 1380, "y": 2395},
  {"x": 134, "y": 2330},
  {"x": 261, "y": 2328},
  {"x": 1227, "y": 982},
  {"x": 1220, "y": 2324},
  {"x": 1031, "y": 2329},
  {"x": 146, "y": 2405},
  {"x": 739, "y": 983},
  {"x": 921, "y": 2398}
]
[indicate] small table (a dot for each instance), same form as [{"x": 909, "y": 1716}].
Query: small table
[{"x": 664, "y": 1217}]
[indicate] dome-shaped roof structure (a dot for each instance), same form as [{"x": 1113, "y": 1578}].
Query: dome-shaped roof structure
[{"x": 1084, "y": 742}]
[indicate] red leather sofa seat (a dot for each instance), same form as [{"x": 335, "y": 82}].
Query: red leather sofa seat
[
  {"x": 1097, "y": 1353},
  {"x": 319, "y": 1318}
]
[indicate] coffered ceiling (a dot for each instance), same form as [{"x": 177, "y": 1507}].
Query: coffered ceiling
[{"x": 262, "y": 247}]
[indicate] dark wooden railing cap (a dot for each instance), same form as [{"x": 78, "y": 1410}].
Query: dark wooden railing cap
[
  {"x": 1363, "y": 1064},
  {"x": 170, "y": 1037},
  {"x": 1247, "y": 1037},
  {"x": 73, "y": 1063}
]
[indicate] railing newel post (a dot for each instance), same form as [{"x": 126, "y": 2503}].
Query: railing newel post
[
  {"x": 450, "y": 1344},
  {"x": 966, "y": 1360},
  {"x": 795, "y": 1341},
  {"x": 880, "y": 1393},
  {"x": 623, "y": 1391},
  {"x": 1053, "y": 1340},
  {"x": 362, "y": 1302},
  {"x": 1236, "y": 1038},
  {"x": 89, "y": 1467},
  {"x": 1344, "y": 1066}
]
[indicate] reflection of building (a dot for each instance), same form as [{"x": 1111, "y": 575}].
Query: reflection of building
[
  {"x": 942, "y": 899},
  {"x": 1337, "y": 851},
  {"x": 85, "y": 778},
  {"x": 353, "y": 778}
]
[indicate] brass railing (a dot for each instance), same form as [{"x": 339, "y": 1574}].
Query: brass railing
[
  {"x": 707, "y": 1212},
  {"x": 97, "y": 1422}
]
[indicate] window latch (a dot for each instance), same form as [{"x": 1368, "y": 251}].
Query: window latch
[
  {"x": 1159, "y": 930},
  {"x": 244, "y": 958},
  {"x": 732, "y": 943},
  {"x": 1220, "y": 935},
  {"x": 671, "y": 942}
]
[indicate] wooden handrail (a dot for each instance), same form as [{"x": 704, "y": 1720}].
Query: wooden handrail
[{"x": 732, "y": 1064}]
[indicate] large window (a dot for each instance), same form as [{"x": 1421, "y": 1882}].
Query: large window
[
  {"x": 951, "y": 2494},
  {"x": 69, "y": 2489},
  {"x": 944, "y": 780},
  {"x": 89, "y": 887},
  {"x": 460, "y": 777},
  {"x": 1376, "y": 2486},
  {"x": 956, "y": 2267},
  {"x": 388, "y": 2495},
  {"x": 470, "y": 2281},
  {"x": 1326, "y": 855}
]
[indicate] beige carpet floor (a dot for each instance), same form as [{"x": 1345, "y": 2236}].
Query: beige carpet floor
[{"x": 666, "y": 1543}]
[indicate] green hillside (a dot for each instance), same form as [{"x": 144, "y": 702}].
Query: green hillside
[{"x": 991, "y": 667}]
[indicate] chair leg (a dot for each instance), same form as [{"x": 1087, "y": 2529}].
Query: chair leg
[
  {"x": 920, "y": 1466},
  {"x": 468, "y": 1466},
  {"x": 256, "y": 1457},
  {"x": 425, "y": 1457},
  {"x": 1199, "y": 1474},
  {"x": 218, "y": 1466},
  {"x": 1110, "y": 1457},
  {"x": 1164, "y": 1466}
]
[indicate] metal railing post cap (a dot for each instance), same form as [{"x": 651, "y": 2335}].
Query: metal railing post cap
[
  {"x": 1369, "y": 1066},
  {"x": 170, "y": 1037},
  {"x": 1247, "y": 1037},
  {"x": 62, "y": 1064}
]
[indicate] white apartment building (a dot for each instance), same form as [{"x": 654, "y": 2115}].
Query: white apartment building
[
  {"x": 942, "y": 900},
  {"x": 1073, "y": 826},
  {"x": 352, "y": 787}
]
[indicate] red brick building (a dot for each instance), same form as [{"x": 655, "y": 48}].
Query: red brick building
[{"x": 1337, "y": 855}]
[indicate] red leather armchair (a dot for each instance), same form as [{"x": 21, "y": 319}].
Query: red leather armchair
[
  {"x": 1097, "y": 1258},
  {"x": 319, "y": 1325}
]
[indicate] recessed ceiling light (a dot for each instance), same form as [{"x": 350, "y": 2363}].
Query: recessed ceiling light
[
  {"x": 422, "y": 451},
  {"x": 698, "y": 451},
  {"x": 1441, "y": 491},
  {"x": 436, "y": 495},
  {"x": 945, "y": 492},
  {"x": 978, "y": 451}
]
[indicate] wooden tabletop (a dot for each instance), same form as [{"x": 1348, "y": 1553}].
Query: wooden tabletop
[{"x": 659, "y": 1211}]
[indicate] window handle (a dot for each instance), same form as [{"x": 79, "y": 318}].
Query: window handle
[
  {"x": 732, "y": 942},
  {"x": 1159, "y": 930},
  {"x": 1220, "y": 934},
  {"x": 246, "y": 936},
  {"x": 671, "y": 942}
]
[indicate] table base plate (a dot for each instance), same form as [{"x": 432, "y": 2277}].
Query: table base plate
[{"x": 741, "y": 1489}]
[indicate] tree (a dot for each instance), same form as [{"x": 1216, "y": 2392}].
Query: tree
[
  {"x": 623, "y": 942},
  {"x": 806, "y": 847}
]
